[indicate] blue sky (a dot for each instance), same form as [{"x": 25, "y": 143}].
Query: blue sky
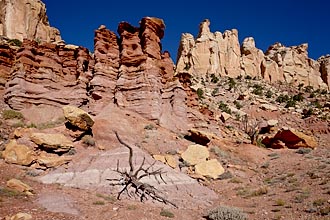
[{"x": 291, "y": 22}]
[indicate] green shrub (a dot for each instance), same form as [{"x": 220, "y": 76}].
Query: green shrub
[
  {"x": 231, "y": 83},
  {"x": 258, "y": 89},
  {"x": 166, "y": 213},
  {"x": 290, "y": 103},
  {"x": 269, "y": 94},
  {"x": 238, "y": 104},
  {"x": 299, "y": 97},
  {"x": 214, "y": 79},
  {"x": 282, "y": 98},
  {"x": 200, "y": 93},
  {"x": 149, "y": 127},
  {"x": 226, "y": 213},
  {"x": 11, "y": 114},
  {"x": 308, "y": 89},
  {"x": 15, "y": 42},
  {"x": 215, "y": 91},
  {"x": 224, "y": 107}
]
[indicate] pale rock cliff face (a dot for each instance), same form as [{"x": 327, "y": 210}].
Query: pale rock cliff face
[
  {"x": 251, "y": 58},
  {"x": 221, "y": 55},
  {"x": 325, "y": 69},
  {"x": 210, "y": 53},
  {"x": 295, "y": 65},
  {"x": 21, "y": 19}
]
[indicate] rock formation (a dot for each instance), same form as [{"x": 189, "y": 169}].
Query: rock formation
[
  {"x": 325, "y": 69},
  {"x": 21, "y": 19},
  {"x": 210, "y": 53},
  {"x": 221, "y": 55},
  {"x": 48, "y": 74},
  {"x": 7, "y": 55}
]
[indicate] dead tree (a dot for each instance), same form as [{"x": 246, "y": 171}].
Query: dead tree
[{"x": 132, "y": 179}]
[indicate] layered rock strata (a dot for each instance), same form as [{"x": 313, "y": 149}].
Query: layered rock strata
[
  {"x": 48, "y": 74},
  {"x": 221, "y": 55},
  {"x": 21, "y": 19}
]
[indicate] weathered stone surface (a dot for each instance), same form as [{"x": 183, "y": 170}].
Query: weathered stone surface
[
  {"x": 78, "y": 117},
  {"x": 224, "y": 117},
  {"x": 211, "y": 53},
  {"x": 56, "y": 142},
  {"x": 292, "y": 139},
  {"x": 211, "y": 168},
  {"x": 251, "y": 58},
  {"x": 19, "y": 186},
  {"x": 200, "y": 137},
  {"x": 325, "y": 69},
  {"x": 7, "y": 57},
  {"x": 107, "y": 62},
  {"x": 18, "y": 154},
  {"x": 52, "y": 160},
  {"x": 20, "y": 216},
  {"x": 268, "y": 107},
  {"x": 48, "y": 74},
  {"x": 195, "y": 154},
  {"x": 21, "y": 19},
  {"x": 294, "y": 65}
]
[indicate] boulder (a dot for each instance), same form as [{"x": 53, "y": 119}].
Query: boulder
[
  {"x": 55, "y": 142},
  {"x": 268, "y": 107},
  {"x": 18, "y": 154},
  {"x": 291, "y": 138},
  {"x": 200, "y": 137},
  {"x": 210, "y": 168},
  {"x": 52, "y": 160},
  {"x": 195, "y": 154},
  {"x": 20, "y": 216},
  {"x": 225, "y": 116},
  {"x": 19, "y": 186},
  {"x": 78, "y": 117}
]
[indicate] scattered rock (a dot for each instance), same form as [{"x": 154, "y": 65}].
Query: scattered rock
[
  {"x": 78, "y": 117},
  {"x": 52, "y": 160},
  {"x": 195, "y": 154},
  {"x": 290, "y": 138},
  {"x": 272, "y": 122},
  {"x": 268, "y": 107},
  {"x": 211, "y": 168},
  {"x": 224, "y": 117},
  {"x": 171, "y": 161},
  {"x": 200, "y": 137},
  {"x": 20, "y": 216},
  {"x": 19, "y": 186},
  {"x": 55, "y": 142},
  {"x": 18, "y": 154}
]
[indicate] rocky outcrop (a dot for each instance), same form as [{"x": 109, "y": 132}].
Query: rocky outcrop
[
  {"x": 7, "y": 57},
  {"x": 221, "y": 55},
  {"x": 325, "y": 69},
  {"x": 48, "y": 74},
  {"x": 107, "y": 62},
  {"x": 146, "y": 82},
  {"x": 251, "y": 58},
  {"x": 211, "y": 53},
  {"x": 295, "y": 66},
  {"x": 21, "y": 19}
]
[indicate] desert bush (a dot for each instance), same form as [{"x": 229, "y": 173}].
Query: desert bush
[
  {"x": 269, "y": 94},
  {"x": 251, "y": 128},
  {"x": 15, "y": 42},
  {"x": 258, "y": 89},
  {"x": 214, "y": 79},
  {"x": 166, "y": 213},
  {"x": 282, "y": 98},
  {"x": 200, "y": 93},
  {"x": 88, "y": 140},
  {"x": 215, "y": 91},
  {"x": 11, "y": 114},
  {"x": 231, "y": 83},
  {"x": 308, "y": 89},
  {"x": 307, "y": 113},
  {"x": 298, "y": 98},
  {"x": 290, "y": 103},
  {"x": 149, "y": 127},
  {"x": 224, "y": 107},
  {"x": 226, "y": 213},
  {"x": 238, "y": 104}
]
